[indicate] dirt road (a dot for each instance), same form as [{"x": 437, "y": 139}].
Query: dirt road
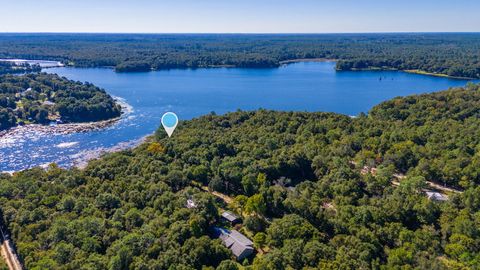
[{"x": 8, "y": 253}]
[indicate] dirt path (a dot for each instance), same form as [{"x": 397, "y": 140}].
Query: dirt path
[
  {"x": 8, "y": 254},
  {"x": 227, "y": 199},
  {"x": 433, "y": 185},
  {"x": 398, "y": 177}
]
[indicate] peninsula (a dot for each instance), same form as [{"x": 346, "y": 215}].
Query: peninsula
[{"x": 42, "y": 98}]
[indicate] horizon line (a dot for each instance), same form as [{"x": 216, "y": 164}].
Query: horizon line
[{"x": 252, "y": 33}]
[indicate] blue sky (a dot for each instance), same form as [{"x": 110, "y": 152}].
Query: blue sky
[{"x": 239, "y": 16}]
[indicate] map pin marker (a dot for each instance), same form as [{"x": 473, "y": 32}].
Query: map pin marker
[{"x": 169, "y": 122}]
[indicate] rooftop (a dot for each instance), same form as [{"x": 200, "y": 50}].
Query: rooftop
[
  {"x": 191, "y": 204},
  {"x": 230, "y": 216},
  {"x": 436, "y": 196},
  {"x": 48, "y": 103},
  {"x": 238, "y": 243},
  {"x": 240, "y": 238}
]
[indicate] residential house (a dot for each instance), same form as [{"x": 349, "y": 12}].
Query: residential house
[{"x": 239, "y": 244}]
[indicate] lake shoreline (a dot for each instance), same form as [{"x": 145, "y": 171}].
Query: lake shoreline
[
  {"x": 69, "y": 128},
  {"x": 308, "y": 86},
  {"x": 63, "y": 129},
  {"x": 282, "y": 63},
  {"x": 81, "y": 162},
  {"x": 421, "y": 72},
  {"x": 302, "y": 60},
  {"x": 85, "y": 157},
  {"x": 410, "y": 71}
]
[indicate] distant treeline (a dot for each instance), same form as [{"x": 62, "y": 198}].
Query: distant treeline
[
  {"x": 453, "y": 54},
  {"x": 39, "y": 98}
]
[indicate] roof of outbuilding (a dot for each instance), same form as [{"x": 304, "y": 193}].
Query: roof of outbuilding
[
  {"x": 229, "y": 216},
  {"x": 436, "y": 196}
]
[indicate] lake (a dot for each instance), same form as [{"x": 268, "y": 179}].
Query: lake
[{"x": 306, "y": 86}]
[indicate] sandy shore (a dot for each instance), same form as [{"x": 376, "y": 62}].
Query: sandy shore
[{"x": 421, "y": 72}]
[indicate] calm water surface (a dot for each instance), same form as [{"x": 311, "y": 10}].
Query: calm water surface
[{"x": 310, "y": 86}]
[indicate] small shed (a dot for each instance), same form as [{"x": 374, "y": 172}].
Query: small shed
[
  {"x": 231, "y": 217},
  {"x": 436, "y": 196}
]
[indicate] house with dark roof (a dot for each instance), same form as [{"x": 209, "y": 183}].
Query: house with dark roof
[
  {"x": 231, "y": 217},
  {"x": 238, "y": 243}
]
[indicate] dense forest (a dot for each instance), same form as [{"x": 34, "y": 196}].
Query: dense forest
[
  {"x": 453, "y": 54},
  {"x": 7, "y": 67},
  {"x": 295, "y": 177},
  {"x": 41, "y": 98}
]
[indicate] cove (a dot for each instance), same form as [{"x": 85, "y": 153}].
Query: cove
[{"x": 304, "y": 86}]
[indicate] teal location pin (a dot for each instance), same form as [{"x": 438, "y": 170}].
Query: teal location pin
[{"x": 169, "y": 122}]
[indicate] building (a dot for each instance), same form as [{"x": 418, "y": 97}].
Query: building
[
  {"x": 48, "y": 103},
  {"x": 24, "y": 93},
  {"x": 238, "y": 243},
  {"x": 436, "y": 196},
  {"x": 231, "y": 217},
  {"x": 191, "y": 204}
]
